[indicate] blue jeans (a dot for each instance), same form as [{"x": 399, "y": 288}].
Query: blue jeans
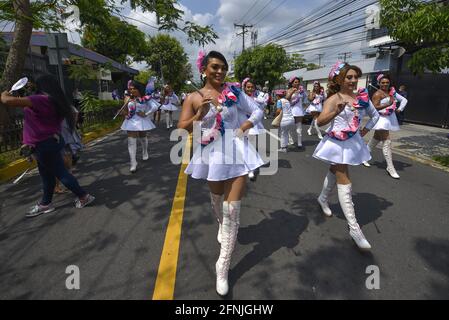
[{"x": 51, "y": 166}]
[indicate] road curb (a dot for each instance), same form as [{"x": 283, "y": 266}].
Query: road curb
[
  {"x": 17, "y": 167},
  {"x": 422, "y": 160}
]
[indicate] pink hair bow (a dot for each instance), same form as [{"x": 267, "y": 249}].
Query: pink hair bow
[
  {"x": 379, "y": 77},
  {"x": 244, "y": 82},
  {"x": 335, "y": 70},
  {"x": 199, "y": 60}
]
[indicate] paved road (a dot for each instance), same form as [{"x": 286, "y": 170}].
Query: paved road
[{"x": 286, "y": 249}]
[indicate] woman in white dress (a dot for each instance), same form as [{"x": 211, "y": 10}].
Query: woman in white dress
[
  {"x": 316, "y": 98},
  {"x": 225, "y": 157},
  {"x": 169, "y": 104},
  {"x": 385, "y": 100},
  {"x": 137, "y": 122},
  {"x": 261, "y": 99},
  {"x": 287, "y": 126},
  {"x": 297, "y": 96},
  {"x": 343, "y": 145}
]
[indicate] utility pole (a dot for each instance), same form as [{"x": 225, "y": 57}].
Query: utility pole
[
  {"x": 254, "y": 38},
  {"x": 320, "y": 55},
  {"x": 344, "y": 55},
  {"x": 244, "y": 31}
]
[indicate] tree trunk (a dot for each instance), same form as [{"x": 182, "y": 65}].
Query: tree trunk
[{"x": 17, "y": 53}]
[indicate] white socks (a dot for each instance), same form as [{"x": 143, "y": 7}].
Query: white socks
[
  {"x": 217, "y": 207},
  {"x": 144, "y": 143},
  {"x": 328, "y": 185},
  {"x": 386, "y": 149},
  {"x": 299, "y": 132},
  {"x": 132, "y": 148},
  {"x": 231, "y": 222},
  {"x": 345, "y": 198},
  {"x": 171, "y": 119}
]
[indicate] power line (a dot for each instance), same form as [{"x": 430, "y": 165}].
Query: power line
[
  {"x": 308, "y": 20},
  {"x": 259, "y": 12},
  {"x": 244, "y": 31},
  {"x": 271, "y": 12},
  {"x": 243, "y": 17}
]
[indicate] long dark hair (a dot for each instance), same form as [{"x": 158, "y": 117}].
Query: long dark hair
[
  {"x": 211, "y": 55},
  {"x": 137, "y": 85},
  {"x": 48, "y": 85}
]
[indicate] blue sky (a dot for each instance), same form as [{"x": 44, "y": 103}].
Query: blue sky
[{"x": 267, "y": 16}]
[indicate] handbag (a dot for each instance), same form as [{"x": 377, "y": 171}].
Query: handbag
[{"x": 277, "y": 121}]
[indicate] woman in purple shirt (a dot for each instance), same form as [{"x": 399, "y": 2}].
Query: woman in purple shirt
[{"x": 43, "y": 116}]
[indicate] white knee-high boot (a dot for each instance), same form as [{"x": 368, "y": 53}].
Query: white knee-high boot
[
  {"x": 231, "y": 222},
  {"x": 299, "y": 133},
  {"x": 167, "y": 119},
  {"x": 171, "y": 119},
  {"x": 132, "y": 148},
  {"x": 144, "y": 143},
  {"x": 328, "y": 185},
  {"x": 317, "y": 128},
  {"x": 309, "y": 132},
  {"x": 345, "y": 198},
  {"x": 217, "y": 207},
  {"x": 372, "y": 143},
  {"x": 386, "y": 148}
]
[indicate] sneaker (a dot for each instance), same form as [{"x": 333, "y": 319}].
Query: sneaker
[
  {"x": 39, "y": 209},
  {"x": 82, "y": 203},
  {"x": 284, "y": 150}
]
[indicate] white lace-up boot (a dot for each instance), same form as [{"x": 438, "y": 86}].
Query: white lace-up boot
[
  {"x": 144, "y": 143},
  {"x": 318, "y": 131},
  {"x": 217, "y": 207},
  {"x": 328, "y": 185},
  {"x": 372, "y": 143},
  {"x": 132, "y": 148},
  {"x": 299, "y": 133},
  {"x": 386, "y": 148},
  {"x": 231, "y": 222},
  {"x": 345, "y": 198}
]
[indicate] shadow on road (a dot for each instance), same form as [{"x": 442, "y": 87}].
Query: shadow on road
[
  {"x": 435, "y": 253},
  {"x": 281, "y": 230}
]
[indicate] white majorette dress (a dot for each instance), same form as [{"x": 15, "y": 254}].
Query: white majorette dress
[
  {"x": 388, "y": 119},
  {"x": 133, "y": 121},
  {"x": 317, "y": 104},
  {"x": 261, "y": 99},
  {"x": 297, "y": 102},
  {"x": 170, "y": 103},
  {"x": 343, "y": 143},
  {"x": 221, "y": 155}
]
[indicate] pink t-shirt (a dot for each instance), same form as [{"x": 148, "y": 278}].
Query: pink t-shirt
[{"x": 40, "y": 120}]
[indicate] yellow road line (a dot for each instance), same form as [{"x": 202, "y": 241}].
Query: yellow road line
[{"x": 166, "y": 277}]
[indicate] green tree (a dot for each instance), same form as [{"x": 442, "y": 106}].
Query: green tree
[
  {"x": 80, "y": 70},
  {"x": 296, "y": 61},
  {"x": 51, "y": 15},
  {"x": 422, "y": 28},
  {"x": 167, "y": 59},
  {"x": 3, "y": 53},
  {"x": 120, "y": 41},
  {"x": 144, "y": 76},
  {"x": 312, "y": 66},
  {"x": 265, "y": 63}
]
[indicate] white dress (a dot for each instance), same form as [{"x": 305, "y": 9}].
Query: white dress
[
  {"x": 317, "y": 104},
  {"x": 352, "y": 151},
  {"x": 228, "y": 156},
  {"x": 134, "y": 122},
  {"x": 390, "y": 122},
  {"x": 170, "y": 103},
  {"x": 298, "y": 104},
  {"x": 262, "y": 100}
]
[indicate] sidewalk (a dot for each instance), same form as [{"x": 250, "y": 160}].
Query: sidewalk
[{"x": 420, "y": 143}]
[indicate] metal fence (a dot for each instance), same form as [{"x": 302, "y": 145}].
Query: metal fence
[{"x": 11, "y": 135}]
